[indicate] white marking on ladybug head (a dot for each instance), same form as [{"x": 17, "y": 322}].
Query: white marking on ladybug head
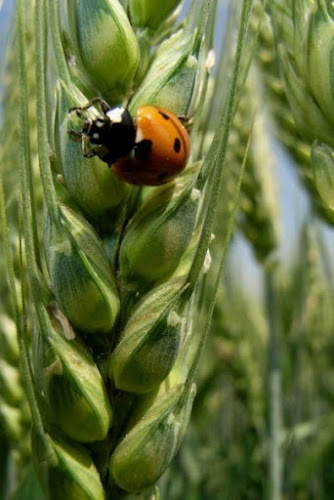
[
  {"x": 96, "y": 136},
  {"x": 139, "y": 136},
  {"x": 99, "y": 123},
  {"x": 115, "y": 114}
]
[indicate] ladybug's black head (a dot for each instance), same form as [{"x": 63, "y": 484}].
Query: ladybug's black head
[{"x": 114, "y": 131}]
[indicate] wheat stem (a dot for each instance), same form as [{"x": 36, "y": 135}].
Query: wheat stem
[
  {"x": 24, "y": 130},
  {"x": 42, "y": 122},
  {"x": 217, "y": 153},
  {"x": 275, "y": 457},
  {"x": 57, "y": 42}
]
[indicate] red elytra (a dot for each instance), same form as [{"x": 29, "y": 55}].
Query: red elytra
[{"x": 166, "y": 152}]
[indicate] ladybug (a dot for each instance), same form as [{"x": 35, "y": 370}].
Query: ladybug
[{"x": 149, "y": 149}]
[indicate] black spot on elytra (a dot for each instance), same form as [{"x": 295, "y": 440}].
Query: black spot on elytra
[
  {"x": 143, "y": 149},
  {"x": 177, "y": 145},
  {"x": 166, "y": 117}
]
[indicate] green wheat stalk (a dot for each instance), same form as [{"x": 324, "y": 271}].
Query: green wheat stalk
[{"x": 120, "y": 292}]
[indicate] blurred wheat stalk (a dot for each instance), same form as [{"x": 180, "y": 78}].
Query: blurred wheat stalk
[
  {"x": 293, "y": 84},
  {"x": 258, "y": 405},
  {"x": 111, "y": 286}
]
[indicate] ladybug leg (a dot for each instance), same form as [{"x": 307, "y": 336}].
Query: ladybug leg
[
  {"x": 89, "y": 154},
  {"x": 79, "y": 136},
  {"x": 76, "y": 110},
  {"x": 187, "y": 121},
  {"x": 93, "y": 151},
  {"x": 104, "y": 105},
  {"x": 76, "y": 136},
  {"x": 85, "y": 152},
  {"x": 96, "y": 100}
]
